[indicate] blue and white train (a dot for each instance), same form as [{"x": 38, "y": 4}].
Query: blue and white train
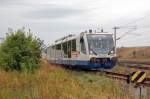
[{"x": 87, "y": 50}]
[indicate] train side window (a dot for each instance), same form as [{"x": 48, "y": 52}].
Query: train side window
[
  {"x": 53, "y": 47},
  {"x": 83, "y": 49},
  {"x": 58, "y": 47}
]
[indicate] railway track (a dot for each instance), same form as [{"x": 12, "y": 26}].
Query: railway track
[
  {"x": 135, "y": 64},
  {"x": 139, "y": 67},
  {"x": 121, "y": 76}
]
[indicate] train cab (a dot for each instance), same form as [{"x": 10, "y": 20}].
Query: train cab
[{"x": 99, "y": 48}]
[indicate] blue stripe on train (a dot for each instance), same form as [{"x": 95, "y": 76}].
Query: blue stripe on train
[{"x": 84, "y": 64}]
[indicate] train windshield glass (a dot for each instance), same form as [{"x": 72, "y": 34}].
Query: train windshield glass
[{"x": 100, "y": 43}]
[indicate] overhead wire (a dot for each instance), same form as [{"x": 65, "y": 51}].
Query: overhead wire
[
  {"x": 128, "y": 26},
  {"x": 126, "y": 33},
  {"x": 139, "y": 19}
]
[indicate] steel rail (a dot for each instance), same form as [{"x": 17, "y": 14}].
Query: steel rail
[
  {"x": 121, "y": 76},
  {"x": 139, "y": 67},
  {"x": 135, "y": 65},
  {"x": 135, "y": 62}
]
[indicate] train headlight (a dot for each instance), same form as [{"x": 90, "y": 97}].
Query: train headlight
[
  {"x": 111, "y": 52},
  {"x": 91, "y": 52}
]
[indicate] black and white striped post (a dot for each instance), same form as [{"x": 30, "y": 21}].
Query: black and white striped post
[{"x": 137, "y": 78}]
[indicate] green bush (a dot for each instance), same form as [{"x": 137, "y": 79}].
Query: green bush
[{"x": 20, "y": 51}]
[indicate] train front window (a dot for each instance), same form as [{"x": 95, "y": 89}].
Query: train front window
[{"x": 100, "y": 43}]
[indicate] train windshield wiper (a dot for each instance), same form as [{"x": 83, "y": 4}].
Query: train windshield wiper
[
  {"x": 110, "y": 50},
  {"x": 93, "y": 51}
]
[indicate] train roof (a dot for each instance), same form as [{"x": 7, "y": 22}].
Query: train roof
[
  {"x": 100, "y": 33},
  {"x": 66, "y": 38},
  {"x": 1, "y": 39},
  {"x": 73, "y": 36}
]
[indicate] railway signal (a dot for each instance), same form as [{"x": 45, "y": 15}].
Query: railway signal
[{"x": 137, "y": 77}]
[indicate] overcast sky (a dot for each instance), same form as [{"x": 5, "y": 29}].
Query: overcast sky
[{"x": 52, "y": 19}]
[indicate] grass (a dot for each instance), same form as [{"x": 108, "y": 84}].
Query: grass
[{"x": 52, "y": 82}]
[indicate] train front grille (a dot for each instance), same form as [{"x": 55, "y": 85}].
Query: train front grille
[{"x": 102, "y": 60}]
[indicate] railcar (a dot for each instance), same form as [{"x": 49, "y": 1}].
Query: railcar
[
  {"x": 1, "y": 40},
  {"x": 87, "y": 50}
]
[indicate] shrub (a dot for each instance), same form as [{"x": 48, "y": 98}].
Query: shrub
[{"x": 20, "y": 51}]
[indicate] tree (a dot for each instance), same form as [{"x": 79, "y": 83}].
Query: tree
[{"x": 20, "y": 51}]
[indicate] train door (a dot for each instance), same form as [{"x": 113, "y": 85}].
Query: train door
[
  {"x": 69, "y": 47},
  {"x": 82, "y": 43},
  {"x": 83, "y": 48},
  {"x": 64, "y": 47},
  {"x": 74, "y": 52}
]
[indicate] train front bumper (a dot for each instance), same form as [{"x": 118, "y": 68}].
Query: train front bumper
[{"x": 105, "y": 63}]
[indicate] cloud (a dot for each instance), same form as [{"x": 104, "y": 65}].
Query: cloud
[
  {"x": 53, "y": 12},
  {"x": 11, "y": 2},
  {"x": 60, "y": 17}
]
